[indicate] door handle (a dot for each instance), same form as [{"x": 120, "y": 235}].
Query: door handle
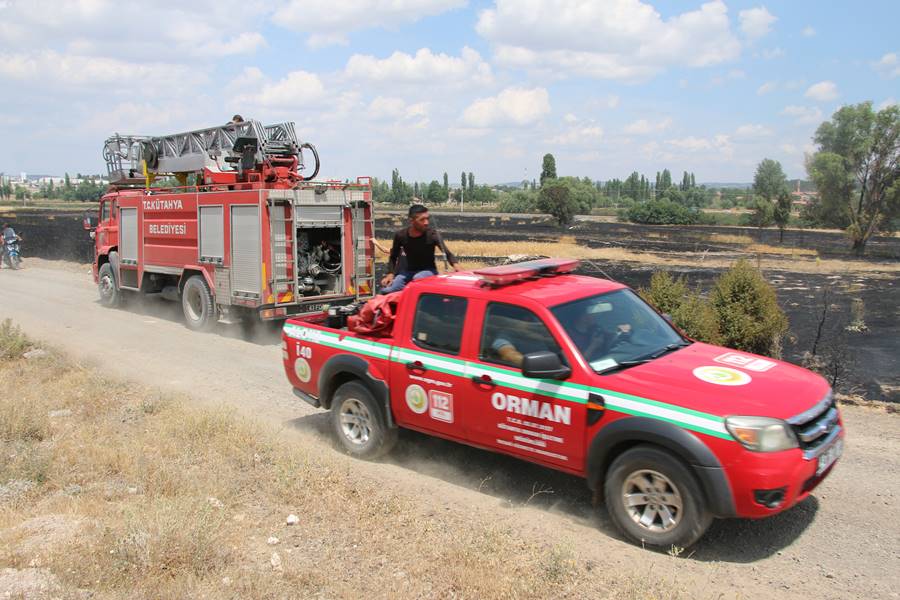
[
  {"x": 484, "y": 380},
  {"x": 416, "y": 366}
]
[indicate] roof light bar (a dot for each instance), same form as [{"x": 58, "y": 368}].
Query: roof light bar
[{"x": 507, "y": 274}]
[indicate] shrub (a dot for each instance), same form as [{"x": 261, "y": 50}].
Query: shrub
[
  {"x": 518, "y": 202},
  {"x": 556, "y": 200},
  {"x": 747, "y": 310},
  {"x": 688, "y": 310},
  {"x": 662, "y": 212}
]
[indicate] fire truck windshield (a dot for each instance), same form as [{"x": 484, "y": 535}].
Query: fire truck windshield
[{"x": 616, "y": 330}]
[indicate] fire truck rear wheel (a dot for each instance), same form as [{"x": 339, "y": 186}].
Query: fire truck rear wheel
[
  {"x": 654, "y": 500},
  {"x": 106, "y": 284},
  {"x": 198, "y": 305},
  {"x": 360, "y": 423}
]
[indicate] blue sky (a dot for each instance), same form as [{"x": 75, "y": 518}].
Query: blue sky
[{"x": 427, "y": 86}]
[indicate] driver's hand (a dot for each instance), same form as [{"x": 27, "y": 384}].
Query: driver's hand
[
  {"x": 387, "y": 279},
  {"x": 625, "y": 328}
]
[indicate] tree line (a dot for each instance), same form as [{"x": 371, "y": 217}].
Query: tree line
[{"x": 88, "y": 189}]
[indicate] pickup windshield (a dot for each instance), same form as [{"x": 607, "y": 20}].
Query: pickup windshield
[{"x": 617, "y": 330}]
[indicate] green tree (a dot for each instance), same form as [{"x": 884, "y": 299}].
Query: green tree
[
  {"x": 548, "y": 168},
  {"x": 554, "y": 199},
  {"x": 434, "y": 193},
  {"x": 471, "y": 182},
  {"x": 768, "y": 182},
  {"x": 856, "y": 170},
  {"x": 68, "y": 183},
  {"x": 462, "y": 182},
  {"x": 782, "y": 213},
  {"x": 665, "y": 180},
  {"x": 446, "y": 186}
]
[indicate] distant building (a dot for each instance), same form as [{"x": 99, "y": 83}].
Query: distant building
[{"x": 801, "y": 199}]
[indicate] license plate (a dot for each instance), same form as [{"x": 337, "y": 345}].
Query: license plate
[
  {"x": 827, "y": 458},
  {"x": 313, "y": 308}
]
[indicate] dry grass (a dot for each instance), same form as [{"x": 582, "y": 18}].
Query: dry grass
[
  {"x": 788, "y": 250},
  {"x": 132, "y": 494},
  {"x": 727, "y": 238}
]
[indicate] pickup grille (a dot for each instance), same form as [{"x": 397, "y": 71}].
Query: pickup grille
[{"x": 816, "y": 427}]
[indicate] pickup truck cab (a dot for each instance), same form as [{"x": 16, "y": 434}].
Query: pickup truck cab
[{"x": 581, "y": 375}]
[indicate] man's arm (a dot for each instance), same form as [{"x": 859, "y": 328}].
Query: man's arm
[
  {"x": 451, "y": 258},
  {"x": 396, "y": 248}
]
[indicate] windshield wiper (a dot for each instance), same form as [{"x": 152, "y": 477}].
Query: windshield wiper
[{"x": 644, "y": 359}]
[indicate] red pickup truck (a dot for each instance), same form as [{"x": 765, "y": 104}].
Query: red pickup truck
[{"x": 578, "y": 374}]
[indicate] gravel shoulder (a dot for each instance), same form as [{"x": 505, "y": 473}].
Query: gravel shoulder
[{"x": 841, "y": 543}]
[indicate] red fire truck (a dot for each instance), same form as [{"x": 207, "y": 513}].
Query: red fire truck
[
  {"x": 581, "y": 375},
  {"x": 250, "y": 238}
]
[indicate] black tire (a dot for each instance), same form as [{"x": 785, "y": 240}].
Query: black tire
[
  {"x": 668, "y": 508},
  {"x": 200, "y": 312},
  {"x": 110, "y": 294},
  {"x": 368, "y": 436},
  {"x": 15, "y": 262}
]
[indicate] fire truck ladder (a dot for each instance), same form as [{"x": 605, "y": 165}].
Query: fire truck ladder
[
  {"x": 131, "y": 159},
  {"x": 364, "y": 263},
  {"x": 281, "y": 243}
]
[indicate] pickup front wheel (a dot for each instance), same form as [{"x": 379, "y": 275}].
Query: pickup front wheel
[
  {"x": 360, "y": 423},
  {"x": 654, "y": 500}
]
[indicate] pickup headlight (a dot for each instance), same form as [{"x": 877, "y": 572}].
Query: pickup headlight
[{"x": 762, "y": 434}]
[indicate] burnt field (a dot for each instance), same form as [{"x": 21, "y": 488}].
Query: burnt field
[
  {"x": 859, "y": 296},
  {"x": 845, "y": 306}
]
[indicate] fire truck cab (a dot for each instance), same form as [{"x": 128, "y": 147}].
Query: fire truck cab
[{"x": 250, "y": 238}]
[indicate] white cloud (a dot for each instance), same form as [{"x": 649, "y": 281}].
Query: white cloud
[
  {"x": 756, "y": 22},
  {"x": 425, "y": 67},
  {"x": 328, "y": 22},
  {"x": 766, "y": 88},
  {"x": 570, "y": 118},
  {"x": 396, "y": 108},
  {"x": 753, "y": 131},
  {"x": 887, "y": 102},
  {"x": 824, "y": 91},
  {"x": 772, "y": 53},
  {"x": 808, "y": 31},
  {"x": 646, "y": 127},
  {"x": 49, "y": 68},
  {"x": 613, "y": 39},
  {"x": 719, "y": 144},
  {"x": 293, "y": 92},
  {"x": 803, "y": 114},
  {"x": 578, "y": 136},
  {"x": 888, "y": 65},
  {"x": 512, "y": 106}
]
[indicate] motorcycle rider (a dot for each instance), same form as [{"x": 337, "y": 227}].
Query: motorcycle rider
[{"x": 7, "y": 235}]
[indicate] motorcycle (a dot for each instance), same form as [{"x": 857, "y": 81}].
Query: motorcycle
[{"x": 11, "y": 256}]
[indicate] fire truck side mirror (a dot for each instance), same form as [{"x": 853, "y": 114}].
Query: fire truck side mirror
[{"x": 89, "y": 222}]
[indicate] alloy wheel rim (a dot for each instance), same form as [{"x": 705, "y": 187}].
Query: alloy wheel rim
[
  {"x": 652, "y": 501},
  {"x": 356, "y": 422}
]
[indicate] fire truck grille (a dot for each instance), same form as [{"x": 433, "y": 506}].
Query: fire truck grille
[{"x": 813, "y": 427}]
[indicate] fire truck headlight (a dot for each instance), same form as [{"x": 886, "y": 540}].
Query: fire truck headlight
[{"x": 762, "y": 434}]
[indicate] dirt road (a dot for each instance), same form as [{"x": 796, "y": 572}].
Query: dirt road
[{"x": 842, "y": 543}]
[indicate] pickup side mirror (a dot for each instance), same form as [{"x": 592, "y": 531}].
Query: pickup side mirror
[
  {"x": 544, "y": 365},
  {"x": 89, "y": 222}
]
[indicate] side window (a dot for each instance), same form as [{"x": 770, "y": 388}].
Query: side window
[
  {"x": 104, "y": 210},
  {"x": 439, "y": 323},
  {"x": 511, "y": 332}
]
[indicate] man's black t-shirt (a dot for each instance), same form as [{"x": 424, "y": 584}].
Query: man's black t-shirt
[{"x": 419, "y": 250}]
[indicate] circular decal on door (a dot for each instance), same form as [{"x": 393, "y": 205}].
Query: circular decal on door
[
  {"x": 302, "y": 369},
  {"x": 416, "y": 399},
  {"x": 722, "y": 375}
]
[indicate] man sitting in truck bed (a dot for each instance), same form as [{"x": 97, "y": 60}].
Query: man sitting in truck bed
[{"x": 418, "y": 241}]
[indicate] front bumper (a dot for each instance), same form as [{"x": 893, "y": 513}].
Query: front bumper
[{"x": 764, "y": 484}]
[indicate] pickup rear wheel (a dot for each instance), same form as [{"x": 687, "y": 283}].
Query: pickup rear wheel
[
  {"x": 197, "y": 303},
  {"x": 653, "y": 498},
  {"x": 360, "y": 423}
]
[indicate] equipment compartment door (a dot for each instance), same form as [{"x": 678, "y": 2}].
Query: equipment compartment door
[
  {"x": 128, "y": 234},
  {"x": 246, "y": 250}
]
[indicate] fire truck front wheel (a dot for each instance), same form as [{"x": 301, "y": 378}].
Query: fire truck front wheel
[
  {"x": 653, "y": 498},
  {"x": 359, "y": 422},
  {"x": 106, "y": 284},
  {"x": 198, "y": 305}
]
